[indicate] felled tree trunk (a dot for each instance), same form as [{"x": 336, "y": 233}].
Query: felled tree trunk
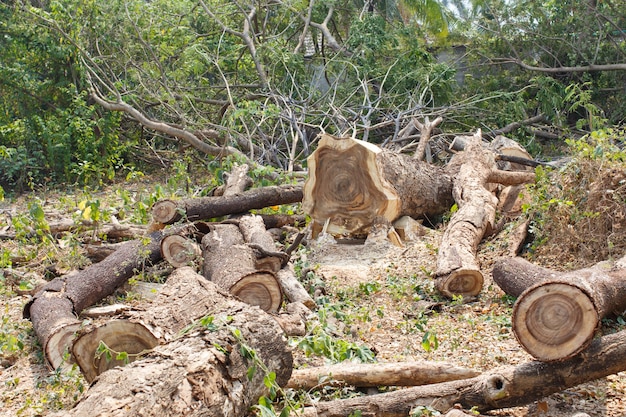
[
  {"x": 379, "y": 374},
  {"x": 54, "y": 309},
  {"x": 171, "y": 211},
  {"x": 352, "y": 182},
  {"x": 232, "y": 264},
  {"x": 509, "y": 386},
  {"x": 557, "y": 313},
  {"x": 458, "y": 271},
  {"x": 216, "y": 355}
]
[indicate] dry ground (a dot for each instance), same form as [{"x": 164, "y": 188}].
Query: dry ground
[{"x": 385, "y": 300}]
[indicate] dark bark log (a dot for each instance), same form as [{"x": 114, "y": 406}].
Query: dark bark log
[
  {"x": 54, "y": 309},
  {"x": 509, "y": 386},
  {"x": 170, "y": 211},
  {"x": 379, "y": 374},
  {"x": 557, "y": 313},
  {"x": 232, "y": 265},
  {"x": 352, "y": 182},
  {"x": 205, "y": 367}
]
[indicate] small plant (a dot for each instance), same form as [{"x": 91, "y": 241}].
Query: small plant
[{"x": 424, "y": 411}]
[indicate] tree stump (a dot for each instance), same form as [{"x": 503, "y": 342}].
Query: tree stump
[
  {"x": 557, "y": 313},
  {"x": 216, "y": 356},
  {"x": 352, "y": 182}
]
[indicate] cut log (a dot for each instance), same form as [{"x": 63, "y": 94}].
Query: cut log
[
  {"x": 379, "y": 374},
  {"x": 237, "y": 181},
  {"x": 557, "y": 313},
  {"x": 220, "y": 352},
  {"x": 171, "y": 211},
  {"x": 180, "y": 251},
  {"x": 292, "y": 288},
  {"x": 232, "y": 265},
  {"x": 54, "y": 309},
  {"x": 510, "y": 386},
  {"x": 351, "y": 182}
]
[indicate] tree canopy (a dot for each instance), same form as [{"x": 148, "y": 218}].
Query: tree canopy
[{"x": 90, "y": 88}]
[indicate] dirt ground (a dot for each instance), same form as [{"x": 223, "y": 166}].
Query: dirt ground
[{"x": 387, "y": 299}]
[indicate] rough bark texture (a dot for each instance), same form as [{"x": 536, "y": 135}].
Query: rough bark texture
[
  {"x": 502, "y": 388},
  {"x": 379, "y": 374},
  {"x": 204, "y": 370},
  {"x": 170, "y": 211},
  {"x": 232, "y": 264},
  {"x": 53, "y": 311},
  {"x": 557, "y": 313},
  {"x": 458, "y": 271},
  {"x": 352, "y": 182}
]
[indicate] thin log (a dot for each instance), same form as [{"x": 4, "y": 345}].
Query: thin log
[
  {"x": 219, "y": 353},
  {"x": 171, "y": 211},
  {"x": 557, "y": 313},
  {"x": 237, "y": 181},
  {"x": 403, "y": 374},
  {"x": 292, "y": 288},
  {"x": 54, "y": 309},
  {"x": 509, "y": 386}
]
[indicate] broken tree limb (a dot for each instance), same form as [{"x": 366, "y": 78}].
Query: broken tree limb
[
  {"x": 53, "y": 311},
  {"x": 292, "y": 288},
  {"x": 232, "y": 264},
  {"x": 351, "y": 182},
  {"x": 171, "y": 211},
  {"x": 379, "y": 374},
  {"x": 557, "y": 313},
  {"x": 505, "y": 387},
  {"x": 426, "y": 130},
  {"x": 219, "y": 352}
]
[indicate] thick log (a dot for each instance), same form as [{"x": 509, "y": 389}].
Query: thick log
[
  {"x": 352, "y": 182},
  {"x": 557, "y": 313},
  {"x": 171, "y": 211},
  {"x": 402, "y": 374},
  {"x": 232, "y": 265},
  {"x": 53, "y": 311},
  {"x": 510, "y": 386},
  {"x": 218, "y": 354}
]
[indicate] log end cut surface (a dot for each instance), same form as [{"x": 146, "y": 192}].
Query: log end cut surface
[
  {"x": 464, "y": 282},
  {"x": 119, "y": 336},
  {"x": 259, "y": 289},
  {"x": 554, "y": 321},
  {"x": 345, "y": 186}
]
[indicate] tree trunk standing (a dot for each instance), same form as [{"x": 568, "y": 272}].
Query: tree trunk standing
[
  {"x": 170, "y": 211},
  {"x": 232, "y": 264},
  {"x": 509, "y": 386},
  {"x": 217, "y": 354},
  {"x": 557, "y": 313},
  {"x": 53, "y": 311},
  {"x": 351, "y": 182}
]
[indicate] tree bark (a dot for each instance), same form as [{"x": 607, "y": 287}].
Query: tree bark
[
  {"x": 557, "y": 313},
  {"x": 218, "y": 352},
  {"x": 379, "y": 374},
  {"x": 170, "y": 211},
  {"x": 509, "y": 386},
  {"x": 53, "y": 311},
  {"x": 352, "y": 182},
  {"x": 232, "y": 264}
]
